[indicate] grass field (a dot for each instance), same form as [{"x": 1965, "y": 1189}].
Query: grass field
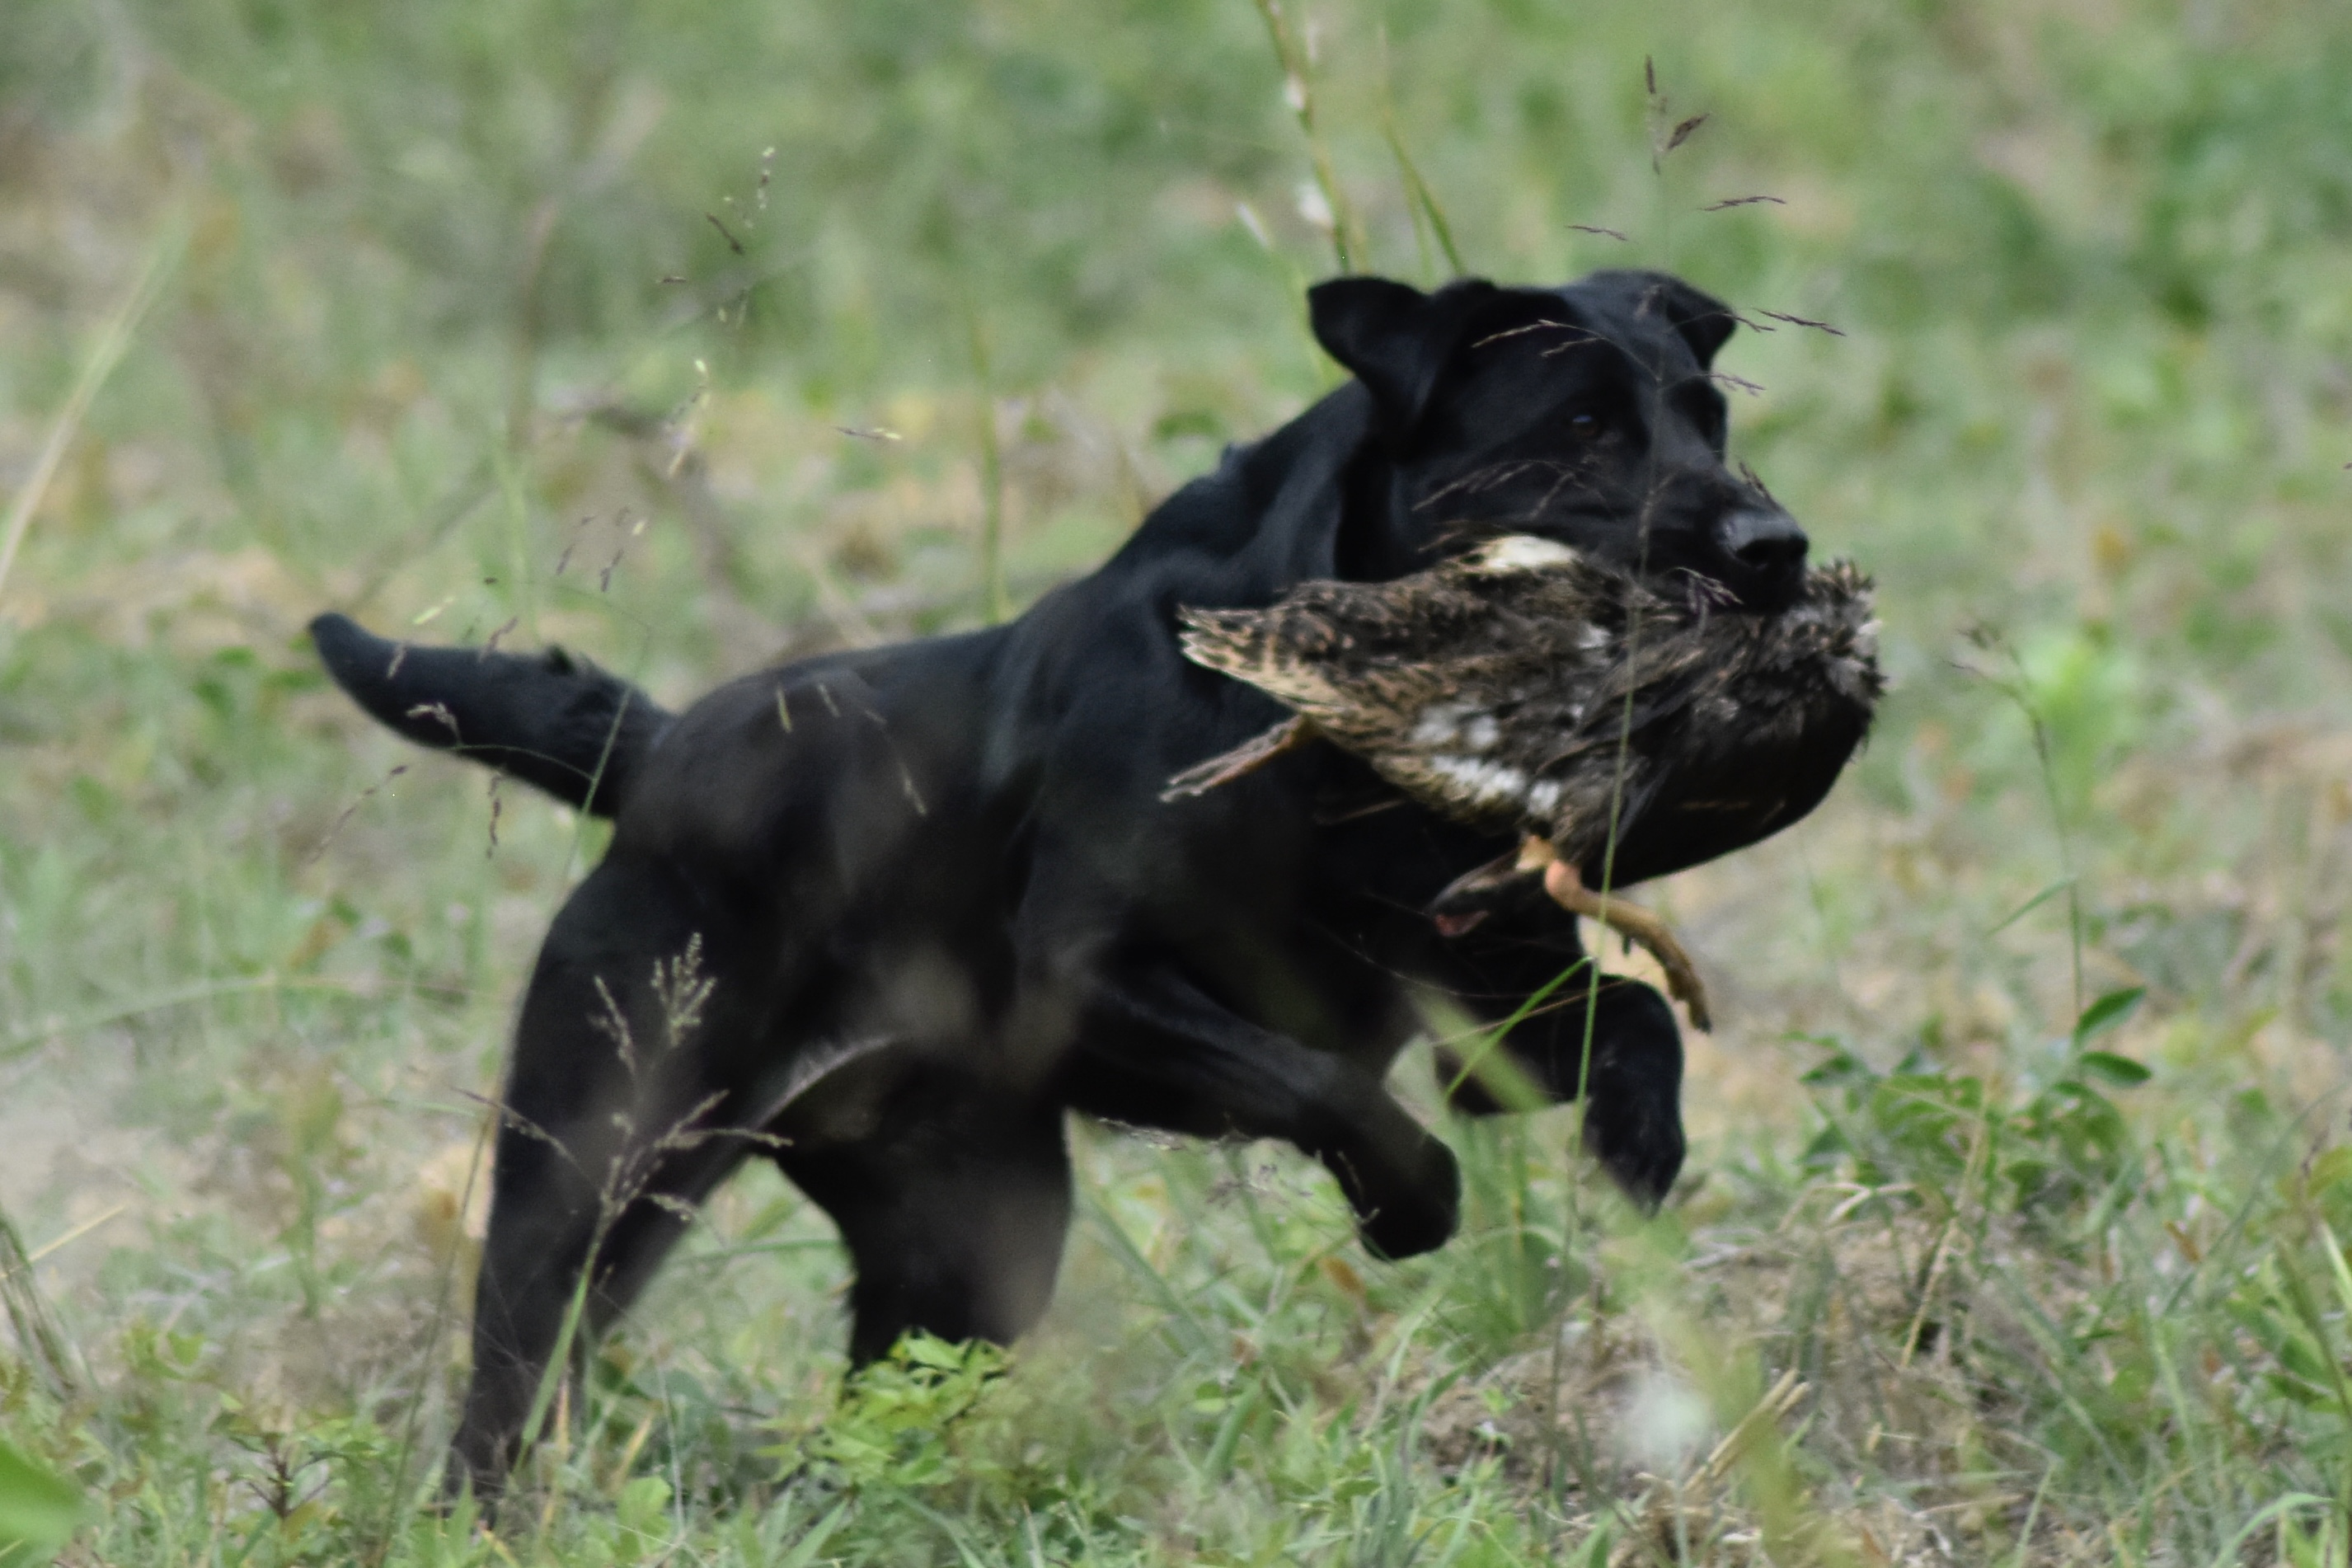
[{"x": 691, "y": 335}]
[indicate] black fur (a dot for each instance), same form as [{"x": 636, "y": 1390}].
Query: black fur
[
  {"x": 937, "y": 901},
  {"x": 550, "y": 720}
]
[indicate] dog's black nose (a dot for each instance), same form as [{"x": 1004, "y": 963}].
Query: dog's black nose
[{"x": 1764, "y": 540}]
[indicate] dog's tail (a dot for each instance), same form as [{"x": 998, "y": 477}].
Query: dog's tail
[{"x": 553, "y": 721}]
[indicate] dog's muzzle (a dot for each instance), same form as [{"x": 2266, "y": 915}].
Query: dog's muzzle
[{"x": 1765, "y": 549}]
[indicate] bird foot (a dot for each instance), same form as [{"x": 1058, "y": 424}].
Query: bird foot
[{"x": 1629, "y": 920}]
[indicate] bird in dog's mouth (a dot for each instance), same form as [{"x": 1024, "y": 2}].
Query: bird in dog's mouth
[{"x": 1526, "y": 685}]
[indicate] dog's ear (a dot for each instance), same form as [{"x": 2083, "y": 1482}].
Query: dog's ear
[
  {"x": 1700, "y": 319},
  {"x": 1396, "y": 339}
]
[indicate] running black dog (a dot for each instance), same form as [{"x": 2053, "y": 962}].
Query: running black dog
[{"x": 886, "y": 916}]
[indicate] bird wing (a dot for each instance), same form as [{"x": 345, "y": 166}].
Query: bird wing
[{"x": 1458, "y": 684}]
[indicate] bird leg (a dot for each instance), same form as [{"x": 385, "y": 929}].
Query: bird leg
[
  {"x": 1629, "y": 920},
  {"x": 1246, "y": 758}
]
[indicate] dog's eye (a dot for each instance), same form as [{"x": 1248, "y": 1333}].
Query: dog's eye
[{"x": 1586, "y": 425}]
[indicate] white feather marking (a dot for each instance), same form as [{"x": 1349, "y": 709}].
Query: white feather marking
[
  {"x": 1488, "y": 783},
  {"x": 1521, "y": 552},
  {"x": 1439, "y": 723}
]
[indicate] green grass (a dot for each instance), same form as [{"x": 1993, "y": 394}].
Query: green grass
[{"x": 2059, "y": 1279}]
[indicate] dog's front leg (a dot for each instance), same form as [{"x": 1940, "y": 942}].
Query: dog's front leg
[
  {"x": 1155, "y": 1049},
  {"x": 1614, "y": 1045}
]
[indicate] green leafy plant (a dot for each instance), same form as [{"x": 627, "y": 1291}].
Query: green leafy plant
[
  {"x": 895, "y": 1428},
  {"x": 38, "y": 1509}
]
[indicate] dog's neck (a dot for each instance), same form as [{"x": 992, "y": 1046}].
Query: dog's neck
[{"x": 1319, "y": 498}]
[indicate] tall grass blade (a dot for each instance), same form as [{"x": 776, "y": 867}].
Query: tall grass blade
[
  {"x": 1298, "y": 89},
  {"x": 2032, "y": 904},
  {"x": 42, "y": 1342},
  {"x": 994, "y": 603},
  {"x": 113, "y": 342}
]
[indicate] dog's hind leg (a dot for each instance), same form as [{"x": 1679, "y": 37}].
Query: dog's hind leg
[
  {"x": 953, "y": 1211},
  {"x": 618, "y": 1114}
]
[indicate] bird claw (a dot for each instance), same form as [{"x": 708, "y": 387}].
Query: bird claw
[
  {"x": 1466, "y": 900},
  {"x": 1637, "y": 925}
]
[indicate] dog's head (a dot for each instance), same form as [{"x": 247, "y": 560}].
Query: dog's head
[{"x": 1588, "y": 414}]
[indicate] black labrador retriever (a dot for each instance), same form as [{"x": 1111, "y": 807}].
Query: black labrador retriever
[{"x": 885, "y": 916}]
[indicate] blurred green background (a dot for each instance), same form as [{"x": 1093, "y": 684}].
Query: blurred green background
[{"x": 695, "y": 335}]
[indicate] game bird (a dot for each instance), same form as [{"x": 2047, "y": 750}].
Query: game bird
[{"x": 1525, "y": 686}]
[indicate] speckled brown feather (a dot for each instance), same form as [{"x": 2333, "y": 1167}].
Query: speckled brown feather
[{"x": 1497, "y": 688}]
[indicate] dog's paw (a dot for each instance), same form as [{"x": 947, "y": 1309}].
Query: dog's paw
[
  {"x": 1412, "y": 1218},
  {"x": 1643, "y": 1154}
]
